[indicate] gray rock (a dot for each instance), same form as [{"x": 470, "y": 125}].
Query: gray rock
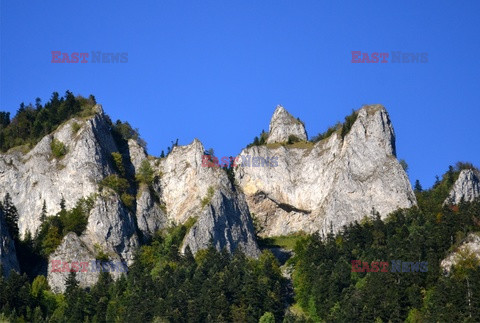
[
  {"x": 323, "y": 186},
  {"x": 226, "y": 222},
  {"x": 150, "y": 216},
  {"x": 37, "y": 176},
  {"x": 79, "y": 258},
  {"x": 112, "y": 227},
  {"x": 466, "y": 187},
  {"x": 470, "y": 247},
  {"x": 111, "y": 230},
  {"x": 136, "y": 153},
  {"x": 283, "y": 125},
  {"x": 8, "y": 255},
  {"x": 182, "y": 186}
]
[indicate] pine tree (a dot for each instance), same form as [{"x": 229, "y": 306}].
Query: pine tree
[
  {"x": 74, "y": 297},
  {"x": 62, "y": 204},
  {"x": 43, "y": 215},
  {"x": 418, "y": 187},
  {"x": 11, "y": 216}
]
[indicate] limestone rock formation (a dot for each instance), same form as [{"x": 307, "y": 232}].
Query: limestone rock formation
[
  {"x": 466, "y": 187},
  {"x": 38, "y": 176},
  {"x": 470, "y": 247},
  {"x": 112, "y": 227},
  {"x": 175, "y": 196},
  {"x": 283, "y": 125},
  {"x": 188, "y": 190},
  {"x": 323, "y": 186},
  {"x": 8, "y": 256},
  {"x": 315, "y": 187},
  {"x": 150, "y": 216},
  {"x": 74, "y": 255}
]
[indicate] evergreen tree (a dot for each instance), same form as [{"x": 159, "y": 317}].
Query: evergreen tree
[
  {"x": 62, "y": 204},
  {"x": 418, "y": 187},
  {"x": 43, "y": 215},
  {"x": 11, "y": 216},
  {"x": 74, "y": 298}
]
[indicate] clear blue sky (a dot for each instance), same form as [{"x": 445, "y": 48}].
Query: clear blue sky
[{"x": 215, "y": 70}]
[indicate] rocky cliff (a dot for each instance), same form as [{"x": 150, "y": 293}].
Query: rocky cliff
[
  {"x": 189, "y": 190},
  {"x": 38, "y": 176},
  {"x": 180, "y": 191},
  {"x": 323, "y": 186},
  {"x": 470, "y": 247},
  {"x": 283, "y": 125},
  {"x": 314, "y": 187},
  {"x": 466, "y": 187}
]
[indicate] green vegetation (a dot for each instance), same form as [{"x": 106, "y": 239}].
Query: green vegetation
[
  {"x": 208, "y": 198},
  {"x": 116, "y": 183},
  {"x": 349, "y": 121},
  {"x": 162, "y": 286},
  {"x": 11, "y": 216},
  {"x": 54, "y": 228},
  {"x": 123, "y": 131},
  {"x": 145, "y": 173},
  {"x": 58, "y": 148},
  {"x": 431, "y": 200},
  {"x": 75, "y": 127},
  {"x": 259, "y": 141},
  {"x": 32, "y": 122},
  {"x": 342, "y": 129},
  {"x": 99, "y": 253},
  {"x": 120, "y": 186},
  {"x": 287, "y": 242},
  {"x": 128, "y": 200},
  {"x": 330, "y": 131},
  {"x": 292, "y": 139},
  {"x": 118, "y": 163},
  {"x": 327, "y": 290}
]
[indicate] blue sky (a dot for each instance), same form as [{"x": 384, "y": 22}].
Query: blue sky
[{"x": 215, "y": 70}]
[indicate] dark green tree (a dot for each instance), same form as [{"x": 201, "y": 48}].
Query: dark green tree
[{"x": 11, "y": 216}]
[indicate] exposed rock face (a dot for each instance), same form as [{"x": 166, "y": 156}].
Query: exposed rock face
[
  {"x": 466, "y": 187},
  {"x": 150, "y": 216},
  {"x": 224, "y": 215},
  {"x": 469, "y": 247},
  {"x": 79, "y": 258},
  {"x": 283, "y": 125},
  {"x": 181, "y": 183},
  {"x": 326, "y": 185},
  {"x": 8, "y": 256},
  {"x": 314, "y": 188},
  {"x": 112, "y": 226},
  {"x": 37, "y": 176},
  {"x": 111, "y": 229}
]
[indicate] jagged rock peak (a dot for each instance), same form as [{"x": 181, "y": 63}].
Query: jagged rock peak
[
  {"x": 188, "y": 190},
  {"x": 373, "y": 124},
  {"x": 283, "y": 125},
  {"x": 325, "y": 185},
  {"x": 466, "y": 187},
  {"x": 98, "y": 109}
]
